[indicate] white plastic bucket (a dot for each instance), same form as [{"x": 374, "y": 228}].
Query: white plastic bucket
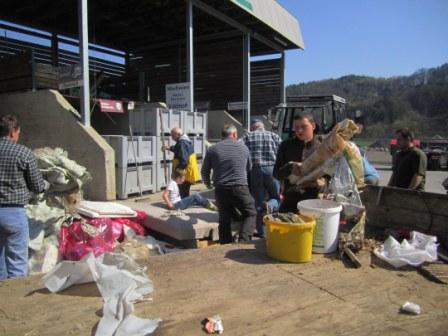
[{"x": 326, "y": 213}]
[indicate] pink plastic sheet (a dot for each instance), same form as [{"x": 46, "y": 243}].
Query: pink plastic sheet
[{"x": 96, "y": 235}]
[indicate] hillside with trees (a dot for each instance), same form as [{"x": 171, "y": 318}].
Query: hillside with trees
[{"x": 418, "y": 101}]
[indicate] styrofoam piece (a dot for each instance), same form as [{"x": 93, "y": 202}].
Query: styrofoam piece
[{"x": 106, "y": 209}]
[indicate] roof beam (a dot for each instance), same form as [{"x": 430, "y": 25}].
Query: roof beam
[{"x": 219, "y": 15}]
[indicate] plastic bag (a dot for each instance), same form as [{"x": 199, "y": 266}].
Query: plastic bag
[
  {"x": 355, "y": 162},
  {"x": 419, "y": 249},
  {"x": 83, "y": 236},
  {"x": 97, "y": 235},
  {"x": 343, "y": 189}
]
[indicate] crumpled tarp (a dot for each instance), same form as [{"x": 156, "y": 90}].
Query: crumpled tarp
[
  {"x": 120, "y": 281},
  {"x": 47, "y": 211},
  {"x": 62, "y": 173}
]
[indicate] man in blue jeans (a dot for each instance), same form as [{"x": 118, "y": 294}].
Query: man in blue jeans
[
  {"x": 18, "y": 175},
  {"x": 263, "y": 146}
]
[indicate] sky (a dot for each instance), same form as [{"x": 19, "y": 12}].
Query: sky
[{"x": 379, "y": 38}]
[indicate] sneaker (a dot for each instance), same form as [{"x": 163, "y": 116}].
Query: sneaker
[{"x": 211, "y": 206}]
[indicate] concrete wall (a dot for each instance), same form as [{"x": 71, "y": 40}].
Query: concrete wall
[
  {"x": 48, "y": 120},
  {"x": 216, "y": 120}
]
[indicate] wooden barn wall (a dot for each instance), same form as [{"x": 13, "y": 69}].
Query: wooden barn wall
[
  {"x": 218, "y": 75},
  {"x": 265, "y": 85}
]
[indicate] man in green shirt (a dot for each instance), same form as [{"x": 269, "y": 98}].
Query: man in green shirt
[{"x": 409, "y": 163}]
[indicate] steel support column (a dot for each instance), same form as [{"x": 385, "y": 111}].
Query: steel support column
[
  {"x": 282, "y": 79},
  {"x": 189, "y": 44},
  {"x": 54, "y": 50},
  {"x": 84, "y": 60},
  {"x": 246, "y": 80}
]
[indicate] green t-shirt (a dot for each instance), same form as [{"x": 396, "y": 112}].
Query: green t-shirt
[{"x": 406, "y": 164}]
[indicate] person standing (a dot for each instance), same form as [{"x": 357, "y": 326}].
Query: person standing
[
  {"x": 291, "y": 154},
  {"x": 18, "y": 175},
  {"x": 230, "y": 161},
  {"x": 408, "y": 164},
  {"x": 184, "y": 158},
  {"x": 263, "y": 146}
]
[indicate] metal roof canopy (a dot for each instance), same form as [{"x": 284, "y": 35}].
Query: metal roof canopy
[{"x": 133, "y": 25}]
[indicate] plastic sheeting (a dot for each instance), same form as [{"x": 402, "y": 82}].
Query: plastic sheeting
[
  {"x": 421, "y": 248},
  {"x": 96, "y": 235},
  {"x": 121, "y": 283}
]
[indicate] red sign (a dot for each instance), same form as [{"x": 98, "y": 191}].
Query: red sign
[{"x": 108, "y": 105}]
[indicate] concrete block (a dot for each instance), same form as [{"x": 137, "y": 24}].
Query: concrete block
[{"x": 197, "y": 223}]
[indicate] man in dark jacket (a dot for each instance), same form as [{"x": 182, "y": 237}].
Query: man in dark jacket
[
  {"x": 184, "y": 158},
  {"x": 18, "y": 174},
  {"x": 230, "y": 161},
  {"x": 291, "y": 154}
]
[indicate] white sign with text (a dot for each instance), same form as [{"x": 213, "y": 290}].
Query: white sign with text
[{"x": 178, "y": 96}]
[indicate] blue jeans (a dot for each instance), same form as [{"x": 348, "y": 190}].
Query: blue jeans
[
  {"x": 188, "y": 201},
  {"x": 264, "y": 186},
  {"x": 14, "y": 236}
]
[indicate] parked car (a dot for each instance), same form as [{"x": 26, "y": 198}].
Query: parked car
[{"x": 436, "y": 153}]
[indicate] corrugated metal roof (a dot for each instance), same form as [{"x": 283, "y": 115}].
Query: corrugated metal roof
[{"x": 275, "y": 16}]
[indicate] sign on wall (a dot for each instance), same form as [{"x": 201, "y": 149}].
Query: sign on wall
[
  {"x": 178, "y": 96},
  {"x": 236, "y": 106},
  {"x": 108, "y": 105}
]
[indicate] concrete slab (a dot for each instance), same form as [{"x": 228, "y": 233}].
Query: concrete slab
[{"x": 196, "y": 222}]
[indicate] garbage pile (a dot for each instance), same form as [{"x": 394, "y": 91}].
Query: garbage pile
[
  {"x": 62, "y": 226},
  {"x": 72, "y": 241},
  {"x": 48, "y": 211}
]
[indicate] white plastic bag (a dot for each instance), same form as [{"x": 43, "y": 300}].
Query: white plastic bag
[
  {"x": 343, "y": 188},
  {"x": 419, "y": 249}
]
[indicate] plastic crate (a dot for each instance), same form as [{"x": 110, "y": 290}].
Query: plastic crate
[
  {"x": 168, "y": 142},
  {"x": 124, "y": 147},
  {"x": 199, "y": 146},
  {"x": 145, "y": 120},
  {"x": 161, "y": 181},
  {"x": 195, "y": 122},
  {"x": 127, "y": 179}
]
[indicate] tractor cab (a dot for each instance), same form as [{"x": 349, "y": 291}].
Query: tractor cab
[{"x": 327, "y": 111}]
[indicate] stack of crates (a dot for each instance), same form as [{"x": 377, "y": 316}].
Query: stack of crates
[
  {"x": 134, "y": 163},
  {"x": 195, "y": 126},
  {"x": 146, "y": 123}
]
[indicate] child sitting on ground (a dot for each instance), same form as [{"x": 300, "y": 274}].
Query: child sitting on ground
[{"x": 171, "y": 195}]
